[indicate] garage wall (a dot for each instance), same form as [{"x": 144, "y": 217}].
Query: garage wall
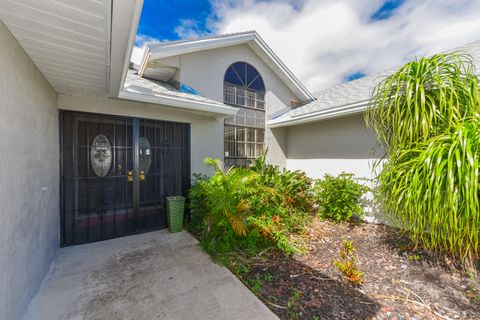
[
  {"x": 332, "y": 146},
  {"x": 205, "y": 71},
  {"x": 206, "y": 131},
  {"x": 29, "y": 177}
]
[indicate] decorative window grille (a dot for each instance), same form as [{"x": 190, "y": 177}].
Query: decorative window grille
[{"x": 244, "y": 131}]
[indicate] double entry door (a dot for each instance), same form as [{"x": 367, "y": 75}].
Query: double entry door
[{"x": 116, "y": 173}]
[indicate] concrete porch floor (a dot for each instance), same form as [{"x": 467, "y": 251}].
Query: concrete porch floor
[{"x": 154, "y": 275}]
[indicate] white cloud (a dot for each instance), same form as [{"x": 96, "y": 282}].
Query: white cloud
[
  {"x": 144, "y": 40},
  {"x": 190, "y": 28},
  {"x": 323, "y": 41}
]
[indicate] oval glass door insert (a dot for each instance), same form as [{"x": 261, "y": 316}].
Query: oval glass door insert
[
  {"x": 101, "y": 155},
  {"x": 145, "y": 154}
]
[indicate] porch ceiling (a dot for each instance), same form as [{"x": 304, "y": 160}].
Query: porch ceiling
[{"x": 68, "y": 40}]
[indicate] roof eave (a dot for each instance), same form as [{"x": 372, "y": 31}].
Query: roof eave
[
  {"x": 298, "y": 87},
  {"x": 189, "y": 105},
  {"x": 122, "y": 39},
  {"x": 320, "y": 116}
]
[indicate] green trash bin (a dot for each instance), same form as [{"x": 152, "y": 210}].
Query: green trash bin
[{"x": 175, "y": 211}]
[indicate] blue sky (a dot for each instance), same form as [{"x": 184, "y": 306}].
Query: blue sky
[
  {"x": 159, "y": 19},
  {"x": 323, "y": 42},
  {"x": 386, "y": 10}
]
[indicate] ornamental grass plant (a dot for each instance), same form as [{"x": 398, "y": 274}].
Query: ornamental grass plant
[{"x": 426, "y": 116}]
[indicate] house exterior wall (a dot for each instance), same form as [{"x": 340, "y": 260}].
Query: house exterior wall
[
  {"x": 206, "y": 132},
  {"x": 332, "y": 146},
  {"x": 29, "y": 177},
  {"x": 205, "y": 70}
]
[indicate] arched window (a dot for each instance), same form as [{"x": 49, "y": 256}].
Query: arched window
[{"x": 243, "y": 87}]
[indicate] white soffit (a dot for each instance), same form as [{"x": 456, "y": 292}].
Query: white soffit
[{"x": 68, "y": 40}]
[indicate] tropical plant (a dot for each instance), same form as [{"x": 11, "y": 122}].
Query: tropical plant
[
  {"x": 433, "y": 190},
  {"x": 250, "y": 208},
  {"x": 426, "y": 116},
  {"x": 424, "y": 98},
  {"x": 222, "y": 197},
  {"x": 341, "y": 197}
]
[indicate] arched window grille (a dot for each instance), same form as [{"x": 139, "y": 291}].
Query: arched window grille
[{"x": 243, "y": 87}]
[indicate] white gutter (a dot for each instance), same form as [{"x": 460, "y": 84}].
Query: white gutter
[
  {"x": 178, "y": 102},
  {"x": 124, "y": 21},
  {"x": 320, "y": 115},
  {"x": 137, "y": 12},
  {"x": 108, "y": 43}
]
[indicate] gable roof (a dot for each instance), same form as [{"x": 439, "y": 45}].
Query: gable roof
[
  {"x": 347, "y": 98},
  {"x": 251, "y": 38}
]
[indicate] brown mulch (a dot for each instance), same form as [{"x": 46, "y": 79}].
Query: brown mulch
[{"x": 400, "y": 282}]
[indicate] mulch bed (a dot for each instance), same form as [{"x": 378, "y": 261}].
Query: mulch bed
[{"x": 400, "y": 282}]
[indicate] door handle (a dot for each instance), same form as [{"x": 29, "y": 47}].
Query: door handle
[
  {"x": 142, "y": 175},
  {"x": 130, "y": 176}
]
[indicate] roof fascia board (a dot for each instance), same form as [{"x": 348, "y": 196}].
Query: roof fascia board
[
  {"x": 251, "y": 38},
  {"x": 320, "y": 116},
  {"x": 189, "y": 46},
  {"x": 124, "y": 24},
  {"x": 290, "y": 77},
  {"x": 178, "y": 103}
]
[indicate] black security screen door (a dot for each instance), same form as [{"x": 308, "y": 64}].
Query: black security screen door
[{"x": 116, "y": 173}]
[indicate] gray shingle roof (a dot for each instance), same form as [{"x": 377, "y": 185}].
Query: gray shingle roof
[
  {"x": 137, "y": 84},
  {"x": 353, "y": 92}
]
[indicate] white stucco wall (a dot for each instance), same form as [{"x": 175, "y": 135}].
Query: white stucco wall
[
  {"x": 335, "y": 146},
  {"x": 205, "y": 71},
  {"x": 332, "y": 146},
  {"x": 206, "y": 132},
  {"x": 29, "y": 177}
]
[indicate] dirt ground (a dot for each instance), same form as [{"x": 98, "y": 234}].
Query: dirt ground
[{"x": 400, "y": 282}]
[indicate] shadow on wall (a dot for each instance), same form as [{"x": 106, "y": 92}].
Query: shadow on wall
[
  {"x": 277, "y": 146},
  {"x": 340, "y": 138}
]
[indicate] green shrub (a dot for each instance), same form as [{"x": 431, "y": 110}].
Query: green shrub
[
  {"x": 250, "y": 209},
  {"x": 340, "y": 197}
]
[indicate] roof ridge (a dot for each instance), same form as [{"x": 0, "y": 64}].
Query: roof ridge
[{"x": 192, "y": 39}]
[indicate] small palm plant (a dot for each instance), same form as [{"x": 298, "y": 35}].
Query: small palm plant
[
  {"x": 426, "y": 116},
  {"x": 224, "y": 196}
]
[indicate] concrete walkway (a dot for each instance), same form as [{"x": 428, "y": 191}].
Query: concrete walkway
[{"x": 155, "y": 275}]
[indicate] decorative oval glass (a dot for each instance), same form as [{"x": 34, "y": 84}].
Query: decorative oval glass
[
  {"x": 145, "y": 154},
  {"x": 101, "y": 155}
]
